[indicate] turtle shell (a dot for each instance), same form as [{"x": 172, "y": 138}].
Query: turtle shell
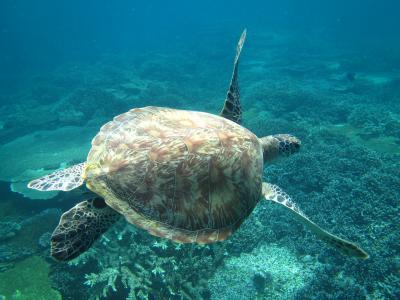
[{"x": 183, "y": 175}]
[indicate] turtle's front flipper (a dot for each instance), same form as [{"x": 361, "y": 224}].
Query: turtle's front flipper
[
  {"x": 80, "y": 227},
  {"x": 62, "y": 180},
  {"x": 232, "y": 109},
  {"x": 274, "y": 193}
]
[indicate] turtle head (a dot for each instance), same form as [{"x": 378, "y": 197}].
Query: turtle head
[{"x": 279, "y": 145}]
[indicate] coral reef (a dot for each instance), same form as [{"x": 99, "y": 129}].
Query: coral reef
[
  {"x": 268, "y": 272},
  {"x": 128, "y": 263},
  {"x": 346, "y": 176},
  {"x": 24, "y": 236},
  {"x": 375, "y": 121},
  {"x": 88, "y": 103}
]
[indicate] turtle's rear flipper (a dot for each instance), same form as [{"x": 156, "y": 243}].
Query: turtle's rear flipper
[
  {"x": 274, "y": 193},
  {"x": 62, "y": 180},
  {"x": 232, "y": 109},
  {"x": 80, "y": 227}
]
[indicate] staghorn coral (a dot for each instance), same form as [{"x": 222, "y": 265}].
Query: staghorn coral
[
  {"x": 106, "y": 278},
  {"x": 129, "y": 264}
]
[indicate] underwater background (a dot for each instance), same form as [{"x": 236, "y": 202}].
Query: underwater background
[{"x": 325, "y": 71}]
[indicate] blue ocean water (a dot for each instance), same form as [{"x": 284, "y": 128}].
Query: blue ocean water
[{"x": 327, "y": 72}]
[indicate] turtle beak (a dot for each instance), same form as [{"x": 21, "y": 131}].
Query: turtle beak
[{"x": 294, "y": 144}]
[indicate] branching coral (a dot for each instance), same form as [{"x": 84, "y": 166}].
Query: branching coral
[
  {"x": 131, "y": 262},
  {"x": 106, "y": 278}
]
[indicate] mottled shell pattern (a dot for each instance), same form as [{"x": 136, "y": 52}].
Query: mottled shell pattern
[{"x": 183, "y": 175}]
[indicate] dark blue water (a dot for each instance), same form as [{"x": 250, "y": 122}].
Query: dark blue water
[{"x": 327, "y": 72}]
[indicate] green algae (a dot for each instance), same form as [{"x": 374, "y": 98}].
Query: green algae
[{"x": 29, "y": 279}]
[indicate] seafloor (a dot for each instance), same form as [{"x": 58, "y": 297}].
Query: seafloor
[{"x": 344, "y": 105}]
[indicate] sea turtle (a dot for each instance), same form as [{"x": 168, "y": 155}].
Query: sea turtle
[{"x": 188, "y": 176}]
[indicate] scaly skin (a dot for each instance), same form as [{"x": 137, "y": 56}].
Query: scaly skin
[{"x": 279, "y": 145}]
